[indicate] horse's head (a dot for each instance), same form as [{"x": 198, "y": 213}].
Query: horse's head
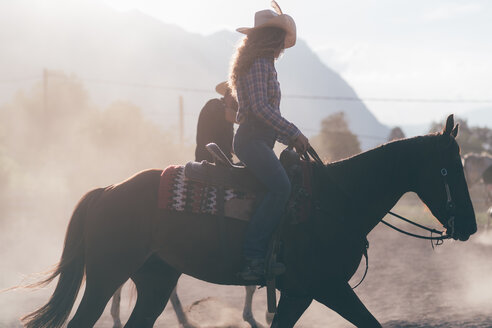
[{"x": 442, "y": 185}]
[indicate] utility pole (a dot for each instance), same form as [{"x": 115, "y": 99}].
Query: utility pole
[{"x": 181, "y": 121}]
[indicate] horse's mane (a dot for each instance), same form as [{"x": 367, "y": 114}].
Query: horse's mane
[
  {"x": 398, "y": 145},
  {"x": 344, "y": 171}
]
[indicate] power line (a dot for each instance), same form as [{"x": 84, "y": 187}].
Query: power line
[
  {"x": 155, "y": 113},
  {"x": 362, "y": 136},
  {"x": 20, "y": 80},
  {"x": 370, "y": 99},
  {"x": 139, "y": 85},
  {"x": 292, "y": 96}
]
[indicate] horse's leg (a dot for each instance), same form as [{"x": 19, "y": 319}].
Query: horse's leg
[
  {"x": 115, "y": 308},
  {"x": 155, "y": 282},
  {"x": 342, "y": 299},
  {"x": 248, "y": 304},
  {"x": 289, "y": 310},
  {"x": 488, "y": 197},
  {"x": 106, "y": 271},
  {"x": 248, "y": 308},
  {"x": 97, "y": 293},
  {"x": 183, "y": 320},
  {"x": 269, "y": 316}
]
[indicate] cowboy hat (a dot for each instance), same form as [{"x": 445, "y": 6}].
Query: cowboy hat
[
  {"x": 269, "y": 18},
  {"x": 222, "y": 88}
]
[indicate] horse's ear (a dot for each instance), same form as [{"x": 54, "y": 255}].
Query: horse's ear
[
  {"x": 449, "y": 125},
  {"x": 454, "y": 133}
]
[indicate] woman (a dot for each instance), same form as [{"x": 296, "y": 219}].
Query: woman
[
  {"x": 253, "y": 80},
  {"x": 216, "y": 124}
]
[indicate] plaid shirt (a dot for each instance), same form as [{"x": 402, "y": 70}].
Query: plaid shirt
[{"x": 258, "y": 94}]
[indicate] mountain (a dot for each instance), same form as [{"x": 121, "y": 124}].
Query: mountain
[{"x": 132, "y": 56}]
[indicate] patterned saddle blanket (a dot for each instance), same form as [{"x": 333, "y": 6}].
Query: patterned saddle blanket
[{"x": 178, "y": 193}]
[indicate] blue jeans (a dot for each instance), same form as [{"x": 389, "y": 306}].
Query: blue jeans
[{"x": 253, "y": 145}]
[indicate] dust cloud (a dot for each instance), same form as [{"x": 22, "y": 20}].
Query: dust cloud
[
  {"x": 52, "y": 152},
  {"x": 54, "y": 148}
]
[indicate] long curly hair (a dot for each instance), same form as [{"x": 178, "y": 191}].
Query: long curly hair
[{"x": 261, "y": 42}]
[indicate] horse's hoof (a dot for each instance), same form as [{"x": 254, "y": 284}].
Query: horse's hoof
[
  {"x": 188, "y": 324},
  {"x": 252, "y": 322}
]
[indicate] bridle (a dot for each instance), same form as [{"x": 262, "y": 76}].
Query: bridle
[{"x": 450, "y": 205}]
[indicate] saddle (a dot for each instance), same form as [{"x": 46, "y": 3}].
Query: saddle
[{"x": 222, "y": 173}]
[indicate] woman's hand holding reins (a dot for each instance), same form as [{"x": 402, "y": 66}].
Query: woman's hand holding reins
[{"x": 301, "y": 144}]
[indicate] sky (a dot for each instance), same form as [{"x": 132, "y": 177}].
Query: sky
[{"x": 411, "y": 49}]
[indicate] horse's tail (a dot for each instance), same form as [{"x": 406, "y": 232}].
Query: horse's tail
[{"x": 70, "y": 269}]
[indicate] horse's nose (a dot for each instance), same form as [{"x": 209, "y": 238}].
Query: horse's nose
[{"x": 467, "y": 232}]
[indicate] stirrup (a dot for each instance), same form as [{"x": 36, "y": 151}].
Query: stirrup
[{"x": 253, "y": 270}]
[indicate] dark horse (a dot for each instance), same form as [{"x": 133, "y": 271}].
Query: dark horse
[{"x": 118, "y": 232}]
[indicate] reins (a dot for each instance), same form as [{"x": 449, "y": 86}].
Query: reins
[{"x": 440, "y": 233}]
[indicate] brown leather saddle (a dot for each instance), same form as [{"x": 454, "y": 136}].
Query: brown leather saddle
[{"x": 223, "y": 173}]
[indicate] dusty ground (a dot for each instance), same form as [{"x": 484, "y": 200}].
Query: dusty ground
[{"x": 408, "y": 285}]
